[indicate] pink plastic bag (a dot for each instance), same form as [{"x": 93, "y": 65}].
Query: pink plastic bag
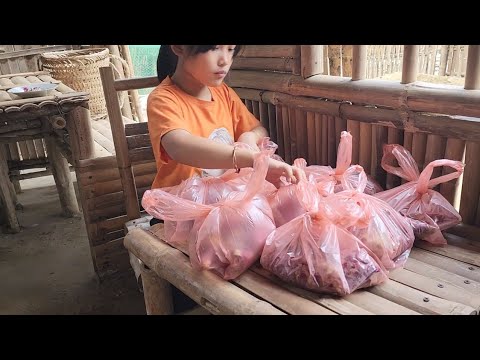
[
  {"x": 227, "y": 237},
  {"x": 328, "y": 178},
  {"x": 284, "y": 201},
  {"x": 427, "y": 210},
  {"x": 381, "y": 228},
  {"x": 315, "y": 251},
  {"x": 208, "y": 190}
]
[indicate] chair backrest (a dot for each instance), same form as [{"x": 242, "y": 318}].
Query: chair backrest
[{"x": 131, "y": 141}]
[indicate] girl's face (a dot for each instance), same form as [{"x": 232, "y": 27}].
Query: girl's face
[{"x": 209, "y": 68}]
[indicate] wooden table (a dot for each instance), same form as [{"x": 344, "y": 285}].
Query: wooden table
[
  {"x": 435, "y": 280},
  {"x": 62, "y": 119}
]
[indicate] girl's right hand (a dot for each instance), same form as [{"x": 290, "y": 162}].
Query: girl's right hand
[{"x": 277, "y": 169}]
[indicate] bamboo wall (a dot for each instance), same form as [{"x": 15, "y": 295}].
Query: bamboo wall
[{"x": 442, "y": 60}]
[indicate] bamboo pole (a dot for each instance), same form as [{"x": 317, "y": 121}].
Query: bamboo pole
[
  {"x": 318, "y": 139},
  {"x": 435, "y": 150},
  {"x": 347, "y": 60},
  {"x": 311, "y": 60},
  {"x": 8, "y": 200},
  {"x": 472, "y": 76},
  {"x": 419, "y": 146},
  {"x": 471, "y": 178},
  {"x": 381, "y": 138},
  {"x": 120, "y": 141},
  {"x": 365, "y": 147},
  {"x": 374, "y": 92},
  {"x": 272, "y": 123},
  {"x": 394, "y": 137},
  {"x": 63, "y": 180},
  {"x": 324, "y": 119},
  {"x": 301, "y": 133},
  {"x": 263, "y": 113},
  {"x": 133, "y": 93},
  {"x": 331, "y": 142},
  {"x": 311, "y": 139},
  {"x": 410, "y": 64},
  {"x": 359, "y": 66},
  {"x": 80, "y": 133},
  {"x": 157, "y": 293},
  {"x": 292, "y": 126},
  {"x": 286, "y": 134},
  {"x": 454, "y": 150},
  {"x": 279, "y": 125},
  {"x": 443, "y": 60},
  {"x": 114, "y": 50},
  {"x": 335, "y": 58},
  {"x": 354, "y": 128}
]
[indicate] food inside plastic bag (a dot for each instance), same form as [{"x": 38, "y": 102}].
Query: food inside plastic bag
[
  {"x": 427, "y": 210},
  {"x": 284, "y": 200},
  {"x": 316, "y": 252},
  {"x": 328, "y": 178},
  {"x": 227, "y": 237},
  {"x": 381, "y": 228}
]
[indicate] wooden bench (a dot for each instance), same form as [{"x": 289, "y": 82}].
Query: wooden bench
[{"x": 435, "y": 280}]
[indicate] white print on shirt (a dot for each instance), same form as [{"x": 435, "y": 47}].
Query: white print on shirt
[{"x": 220, "y": 135}]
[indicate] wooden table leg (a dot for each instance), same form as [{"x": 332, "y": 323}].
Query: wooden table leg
[
  {"x": 63, "y": 179},
  {"x": 157, "y": 293},
  {"x": 6, "y": 194},
  {"x": 80, "y": 134}
]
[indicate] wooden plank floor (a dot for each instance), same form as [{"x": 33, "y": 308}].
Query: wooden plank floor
[{"x": 435, "y": 280}]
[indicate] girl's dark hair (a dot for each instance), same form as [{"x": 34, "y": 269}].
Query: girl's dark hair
[{"x": 167, "y": 60}]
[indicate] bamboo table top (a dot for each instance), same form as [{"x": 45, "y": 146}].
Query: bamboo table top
[
  {"x": 435, "y": 280},
  {"x": 13, "y": 107}
]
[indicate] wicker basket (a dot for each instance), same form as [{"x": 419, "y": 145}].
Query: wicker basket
[{"x": 79, "y": 69}]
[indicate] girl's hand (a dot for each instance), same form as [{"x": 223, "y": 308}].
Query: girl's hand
[{"x": 276, "y": 169}]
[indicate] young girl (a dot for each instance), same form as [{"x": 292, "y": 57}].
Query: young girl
[{"x": 194, "y": 118}]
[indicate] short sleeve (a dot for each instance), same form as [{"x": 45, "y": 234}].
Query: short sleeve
[
  {"x": 243, "y": 120},
  {"x": 164, "y": 115}
]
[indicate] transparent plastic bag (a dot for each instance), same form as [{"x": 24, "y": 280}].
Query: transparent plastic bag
[
  {"x": 316, "y": 252},
  {"x": 427, "y": 210},
  {"x": 227, "y": 237}
]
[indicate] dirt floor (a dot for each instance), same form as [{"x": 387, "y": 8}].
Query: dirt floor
[{"x": 47, "y": 268}]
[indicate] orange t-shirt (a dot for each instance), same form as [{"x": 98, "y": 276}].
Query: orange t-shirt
[{"x": 223, "y": 119}]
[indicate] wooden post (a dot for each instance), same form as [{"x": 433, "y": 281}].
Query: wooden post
[
  {"x": 120, "y": 141},
  {"x": 359, "y": 66},
  {"x": 311, "y": 60},
  {"x": 157, "y": 293},
  {"x": 472, "y": 77},
  {"x": 410, "y": 64},
  {"x": 63, "y": 179},
  {"x": 8, "y": 201},
  {"x": 80, "y": 133}
]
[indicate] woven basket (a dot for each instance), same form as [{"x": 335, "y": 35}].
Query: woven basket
[{"x": 79, "y": 69}]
